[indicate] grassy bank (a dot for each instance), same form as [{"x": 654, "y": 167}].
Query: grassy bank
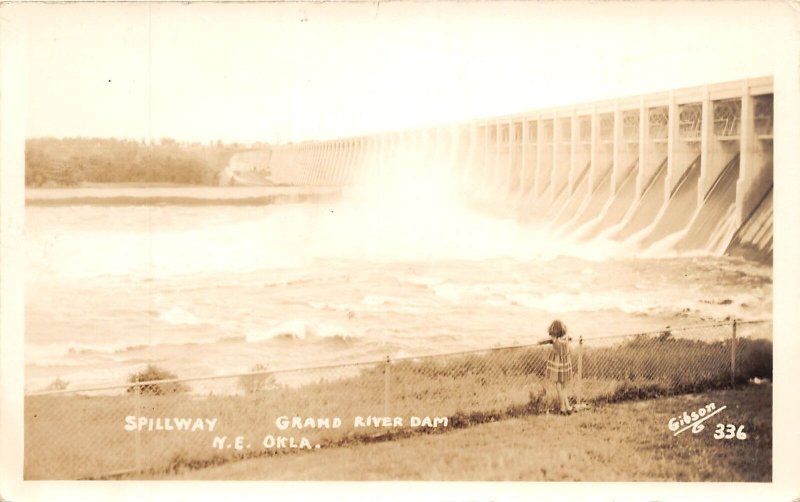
[
  {"x": 626, "y": 441},
  {"x": 70, "y": 436}
]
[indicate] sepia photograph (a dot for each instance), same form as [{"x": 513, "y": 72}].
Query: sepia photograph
[{"x": 399, "y": 241}]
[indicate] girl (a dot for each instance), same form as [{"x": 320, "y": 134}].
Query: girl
[{"x": 559, "y": 363}]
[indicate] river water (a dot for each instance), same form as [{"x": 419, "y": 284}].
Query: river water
[{"x": 214, "y": 289}]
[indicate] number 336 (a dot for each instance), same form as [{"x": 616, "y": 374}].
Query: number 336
[{"x": 729, "y": 431}]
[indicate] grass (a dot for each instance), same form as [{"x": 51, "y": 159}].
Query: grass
[
  {"x": 74, "y": 436},
  {"x": 626, "y": 441}
]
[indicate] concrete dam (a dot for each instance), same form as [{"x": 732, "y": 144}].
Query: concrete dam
[{"x": 682, "y": 171}]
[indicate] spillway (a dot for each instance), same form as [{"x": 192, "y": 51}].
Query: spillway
[
  {"x": 678, "y": 210},
  {"x": 616, "y": 208},
  {"x": 592, "y": 205},
  {"x": 712, "y": 217},
  {"x": 682, "y": 171},
  {"x": 754, "y": 239},
  {"x": 568, "y": 210},
  {"x": 644, "y": 211}
]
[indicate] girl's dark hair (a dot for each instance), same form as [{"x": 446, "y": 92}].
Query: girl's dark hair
[{"x": 557, "y": 329}]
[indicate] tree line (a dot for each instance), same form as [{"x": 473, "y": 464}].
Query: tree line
[{"x": 73, "y": 161}]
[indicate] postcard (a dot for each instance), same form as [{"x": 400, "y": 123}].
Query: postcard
[{"x": 386, "y": 243}]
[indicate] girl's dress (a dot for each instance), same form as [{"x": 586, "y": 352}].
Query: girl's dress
[{"x": 559, "y": 364}]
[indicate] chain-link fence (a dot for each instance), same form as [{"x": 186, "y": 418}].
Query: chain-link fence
[{"x": 147, "y": 429}]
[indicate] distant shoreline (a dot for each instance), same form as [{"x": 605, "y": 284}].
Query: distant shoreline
[
  {"x": 137, "y": 194},
  {"x": 130, "y": 184}
]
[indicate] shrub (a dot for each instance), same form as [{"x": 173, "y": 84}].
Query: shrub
[
  {"x": 58, "y": 384},
  {"x": 753, "y": 359},
  {"x": 152, "y": 373},
  {"x": 253, "y": 384}
]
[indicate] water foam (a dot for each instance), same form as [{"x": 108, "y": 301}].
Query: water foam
[
  {"x": 406, "y": 211},
  {"x": 298, "y": 329},
  {"x": 179, "y": 317}
]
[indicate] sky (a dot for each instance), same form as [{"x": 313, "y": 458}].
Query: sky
[{"x": 300, "y": 71}]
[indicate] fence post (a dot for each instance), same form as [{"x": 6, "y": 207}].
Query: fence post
[
  {"x": 137, "y": 407},
  {"x": 579, "y": 389},
  {"x": 733, "y": 353},
  {"x": 386, "y": 387}
]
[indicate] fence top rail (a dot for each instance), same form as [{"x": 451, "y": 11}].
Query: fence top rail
[
  {"x": 373, "y": 362},
  {"x": 672, "y": 330}
]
